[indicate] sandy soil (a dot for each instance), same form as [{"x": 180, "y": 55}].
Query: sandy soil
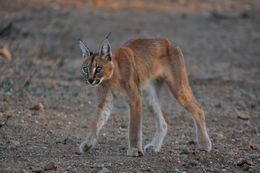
[{"x": 223, "y": 61}]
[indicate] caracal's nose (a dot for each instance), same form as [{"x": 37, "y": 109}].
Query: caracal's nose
[{"x": 90, "y": 81}]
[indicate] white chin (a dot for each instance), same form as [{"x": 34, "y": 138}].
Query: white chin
[{"x": 95, "y": 84}]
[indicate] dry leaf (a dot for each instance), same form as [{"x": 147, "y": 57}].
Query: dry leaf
[{"x": 5, "y": 53}]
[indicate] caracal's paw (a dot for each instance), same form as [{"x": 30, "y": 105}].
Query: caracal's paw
[
  {"x": 87, "y": 145},
  {"x": 134, "y": 152},
  {"x": 150, "y": 148},
  {"x": 205, "y": 144}
]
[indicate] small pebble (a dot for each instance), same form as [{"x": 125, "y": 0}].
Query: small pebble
[
  {"x": 255, "y": 147},
  {"x": 37, "y": 107},
  {"x": 51, "y": 166},
  {"x": 104, "y": 170},
  {"x": 243, "y": 116}
]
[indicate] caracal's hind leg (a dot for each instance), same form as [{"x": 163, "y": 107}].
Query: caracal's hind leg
[
  {"x": 161, "y": 125},
  {"x": 178, "y": 83},
  {"x": 199, "y": 121}
]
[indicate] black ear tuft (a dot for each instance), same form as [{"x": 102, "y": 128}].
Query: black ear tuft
[{"x": 109, "y": 57}]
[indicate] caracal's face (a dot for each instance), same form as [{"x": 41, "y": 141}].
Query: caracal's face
[{"x": 96, "y": 68}]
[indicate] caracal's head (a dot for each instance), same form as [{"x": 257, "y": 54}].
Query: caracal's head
[{"x": 97, "y": 67}]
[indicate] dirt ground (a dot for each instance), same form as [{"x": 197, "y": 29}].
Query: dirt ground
[{"x": 222, "y": 51}]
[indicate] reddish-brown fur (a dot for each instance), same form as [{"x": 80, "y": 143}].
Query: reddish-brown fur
[{"x": 137, "y": 64}]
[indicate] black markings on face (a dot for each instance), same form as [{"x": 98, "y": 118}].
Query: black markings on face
[
  {"x": 93, "y": 69},
  {"x": 93, "y": 58}
]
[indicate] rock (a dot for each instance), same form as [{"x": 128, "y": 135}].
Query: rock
[
  {"x": 37, "y": 107},
  {"x": 77, "y": 153},
  {"x": 244, "y": 164},
  {"x": 37, "y": 170},
  {"x": 192, "y": 162},
  {"x": 148, "y": 169},
  {"x": 104, "y": 170},
  {"x": 245, "y": 15},
  {"x": 241, "y": 162},
  {"x": 109, "y": 164},
  {"x": 122, "y": 129},
  {"x": 23, "y": 171},
  {"x": 5, "y": 53},
  {"x": 191, "y": 142},
  {"x": 16, "y": 143},
  {"x": 69, "y": 168},
  {"x": 5, "y": 30},
  {"x": 243, "y": 116},
  {"x": 186, "y": 151},
  {"x": 218, "y": 137},
  {"x": 50, "y": 167},
  {"x": 218, "y": 105},
  {"x": 27, "y": 81},
  {"x": 255, "y": 147}
]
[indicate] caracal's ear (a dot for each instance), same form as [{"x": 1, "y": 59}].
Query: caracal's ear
[
  {"x": 105, "y": 50},
  {"x": 85, "y": 52}
]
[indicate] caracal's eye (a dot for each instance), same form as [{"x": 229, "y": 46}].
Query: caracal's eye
[
  {"x": 98, "y": 69},
  {"x": 85, "y": 69}
]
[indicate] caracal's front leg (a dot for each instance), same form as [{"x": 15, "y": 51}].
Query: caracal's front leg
[
  {"x": 135, "y": 128},
  {"x": 103, "y": 112}
]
